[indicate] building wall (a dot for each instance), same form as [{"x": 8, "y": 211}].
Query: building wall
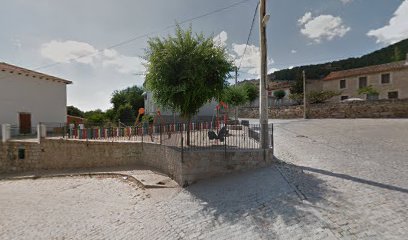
[
  {"x": 208, "y": 110},
  {"x": 44, "y": 99},
  {"x": 358, "y": 109},
  {"x": 399, "y": 82}
]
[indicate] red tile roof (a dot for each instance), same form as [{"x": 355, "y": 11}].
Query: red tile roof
[
  {"x": 5, "y": 67},
  {"x": 388, "y": 67}
]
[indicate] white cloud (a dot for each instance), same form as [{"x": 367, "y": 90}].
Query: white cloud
[
  {"x": 346, "y": 1},
  {"x": 221, "y": 39},
  {"x": 121, "y": 63},
  {"x": 306, "y": 18},
  {"x": 81, "y": 52},
  {"x": 323, "y": 27},
  {"x": 69, "y": 51},
  {"x": 397, "y": 28},
  {"x": 251, "y": 61},
  {"x": 293, "y": 51}
]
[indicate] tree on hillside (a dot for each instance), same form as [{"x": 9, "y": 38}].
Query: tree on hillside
[
  {"x": 74, "y": 111},
  {"x": 186, "y": 71},
  {"x": 126, "y": 114},
  {"x": 251, "y": 91},
  {"x": 279, "y": 94},
  {"x": 125, "y": 102},
  {"x": 235, "y": 95},
  {"x": 95, "y": 118}
]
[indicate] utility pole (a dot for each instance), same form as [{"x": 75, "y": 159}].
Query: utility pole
[
  {"x": 305, "y": 115},
  {"x": 236, "y": 107},
  {"x": 263, "y": 101}
]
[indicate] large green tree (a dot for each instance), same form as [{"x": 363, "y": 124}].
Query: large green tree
[
  {"x": 186, "y": 71},
  {"x": 251, "y": 91},
  {"x": 74, "y": 111},
  {"x": 126, "y": 103}
]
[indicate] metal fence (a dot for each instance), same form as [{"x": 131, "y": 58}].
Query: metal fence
[
  {"x": 55, "y": 129},
  {"x": 190, "y": 137},
  {"x": 17, "y": 133}
]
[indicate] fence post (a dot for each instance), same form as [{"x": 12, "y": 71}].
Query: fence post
[
  {"x": 225, "y": 147},
  {"x": 41, "y": 131},
  {"x": 160, "y": 132},
  {"x": 5, "y": 129},
  {"x": 182, "y": 149}
]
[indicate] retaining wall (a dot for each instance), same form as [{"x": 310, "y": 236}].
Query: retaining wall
[
  {"x": 357, "y": 109},
  {"x": 184, "y": 167}
]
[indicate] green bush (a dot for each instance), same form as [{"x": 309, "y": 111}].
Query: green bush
[
  {"x": 279, "y": 94},
  {"x": 321, "y": 96},
  {"x": 369, "y": 90}
]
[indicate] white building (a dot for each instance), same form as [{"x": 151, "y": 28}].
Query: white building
[
  {"x": 206, "y": 112},
  {"x": 28, "y": 97}
]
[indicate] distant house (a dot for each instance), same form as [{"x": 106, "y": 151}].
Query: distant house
[
  {"x": 75, "y": 120},
  {"x": 390, "y": 80},
  {"x": 28, "y": 98},
  {"x": 272, "y": 87}
]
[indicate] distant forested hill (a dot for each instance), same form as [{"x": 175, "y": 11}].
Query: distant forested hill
[{"x": 395, "y": 52}]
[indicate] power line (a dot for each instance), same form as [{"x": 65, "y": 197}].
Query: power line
[
  {"x": 249, "y": 35},
  {"x": 148, "y": 34}
]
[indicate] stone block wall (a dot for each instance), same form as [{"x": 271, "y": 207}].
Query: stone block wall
[
  {"x": 202, "y": 165},
  {"x": 184, "y": 167},
  {"x": 357, "y": 109}
]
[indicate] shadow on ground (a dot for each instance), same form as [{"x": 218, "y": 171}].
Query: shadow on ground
[{"x": 271, "y": 197}]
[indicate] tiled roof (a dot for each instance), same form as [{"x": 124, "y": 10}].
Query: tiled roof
[
  {"x": 388, "y": 67},
  {"x": 5, "y": 67}
]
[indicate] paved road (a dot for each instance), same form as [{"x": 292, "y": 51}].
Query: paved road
[
  {"x": 363, "y": 164},
  {"x": 348, "y": 181}
]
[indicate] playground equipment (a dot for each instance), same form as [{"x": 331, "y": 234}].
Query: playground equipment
[{"x": 223, "y": 132}]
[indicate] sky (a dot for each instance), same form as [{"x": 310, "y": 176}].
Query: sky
[{"x": 99, "y": 45}]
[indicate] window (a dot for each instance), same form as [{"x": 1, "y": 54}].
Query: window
[
  {"x": 385, "y": 78},
  {"x": 362, "y": 82},
  {"x": 393, "y": 95},
  {"x": 343, "y": 84},
  {"x": 343, "y": 98}
]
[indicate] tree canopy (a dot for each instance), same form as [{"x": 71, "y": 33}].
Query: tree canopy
[
  {"x": 235, "y": 95},
  {"x": 186, "y": 71},
  {"x": 74, "y": 111},
  {"x": 126, "y": 104}
]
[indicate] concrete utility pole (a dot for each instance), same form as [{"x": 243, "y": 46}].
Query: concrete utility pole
[
  {"x": 263, "y": 100},
  {"x": 236, "y": 82},
  {"x": 305, "y": 115}
]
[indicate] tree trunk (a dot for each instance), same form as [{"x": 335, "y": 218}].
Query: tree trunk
[{"x": 188, "y": 131}]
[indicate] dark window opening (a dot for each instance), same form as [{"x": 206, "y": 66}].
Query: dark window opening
[
  {"x": 362, "y": 82},
  {"x": 21, "y": 153},
  {"x": 342, "y": 83},
  {"x": 385, "y": 78},
  {"x": 393, "y": 95}
]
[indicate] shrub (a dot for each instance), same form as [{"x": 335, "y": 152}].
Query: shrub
[{"x": 321, "y": 96}]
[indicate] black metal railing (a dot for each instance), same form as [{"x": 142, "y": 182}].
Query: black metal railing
[{"x": 191, "y": 137}]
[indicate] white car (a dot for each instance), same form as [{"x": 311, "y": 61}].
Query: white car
[{"x": 352, "y": 100}]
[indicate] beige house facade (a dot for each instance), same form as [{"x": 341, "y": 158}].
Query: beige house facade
[{"x": 390, "y": 80}]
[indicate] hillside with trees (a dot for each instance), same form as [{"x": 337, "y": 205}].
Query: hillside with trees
[{"x": 392, "y": 53}]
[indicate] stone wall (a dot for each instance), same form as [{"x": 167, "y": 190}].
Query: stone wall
[
  {"x": 202, "y": 165},
  {"x": 184, "y": 167},
  {"x": 356, "y": 109}
]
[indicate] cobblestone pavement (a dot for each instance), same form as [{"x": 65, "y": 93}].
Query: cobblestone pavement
[
  {"x": 364, "y": 163},
  {"x": 341, "y": 185}
]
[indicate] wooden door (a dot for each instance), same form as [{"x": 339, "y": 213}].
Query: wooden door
[{"x": 25, "y": 123}]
